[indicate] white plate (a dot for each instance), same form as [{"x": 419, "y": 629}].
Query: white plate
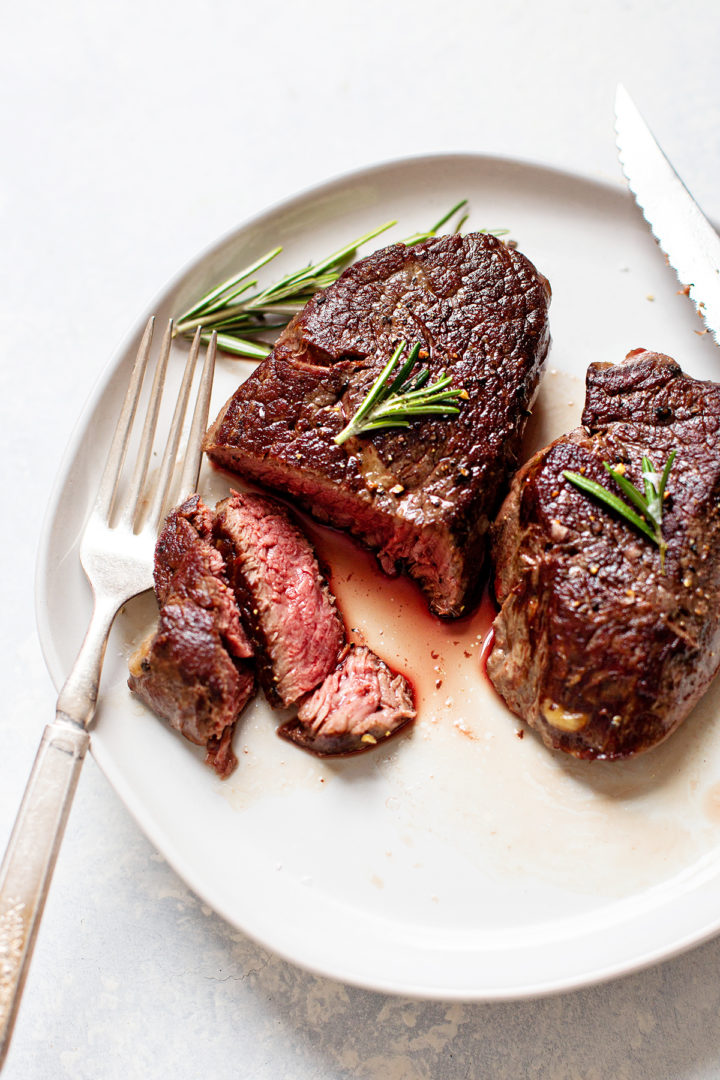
[{"x": 459, "y": 860}]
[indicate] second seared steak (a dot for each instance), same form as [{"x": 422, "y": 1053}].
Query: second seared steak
[
  {"x": 423, "y": 497},
  {"x": 595, "y": 645}
]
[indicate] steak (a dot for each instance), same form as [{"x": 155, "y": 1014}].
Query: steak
[
  {"x": 286, "y": 605},
  {"x": 359, "y": 704},
  {"x": 422, "y": 498},
  {"x": 195, "y": 669},
  {"x": 597, "y": 646},
  {"x": 250, "y": 567}
]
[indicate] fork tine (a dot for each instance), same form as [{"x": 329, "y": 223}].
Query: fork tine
[
  {"x": 121, "y": 436},
  {"x": 130, "y": 508},
  {"x": 193, "y": 451},
  {"x": 167, "y": 466}
]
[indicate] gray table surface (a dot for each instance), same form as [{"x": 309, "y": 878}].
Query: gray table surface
[{"x": 133, "y": 135}]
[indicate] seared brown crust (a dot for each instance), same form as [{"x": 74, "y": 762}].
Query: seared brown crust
[
  {"x": 421, "y": 498},
  {"x": 186, "y": 675},
  {"x": 188, "y": 568},
  {"x": 180, "y": 545},
  {"x": 194, "y": 669},
  {"x": 594, "y": 646}
]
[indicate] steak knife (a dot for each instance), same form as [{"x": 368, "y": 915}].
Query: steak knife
[{"x": 678, "y": 224}]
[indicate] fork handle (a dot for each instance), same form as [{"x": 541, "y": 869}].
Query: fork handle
[{"x": 29, "y": 862}]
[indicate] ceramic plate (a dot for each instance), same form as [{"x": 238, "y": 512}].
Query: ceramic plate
[{"x": 459, "y": 860}]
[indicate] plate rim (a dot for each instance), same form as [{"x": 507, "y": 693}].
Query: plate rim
[{"x": 150, "y": 827}]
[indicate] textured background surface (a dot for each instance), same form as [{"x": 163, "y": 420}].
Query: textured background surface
[{"x": 132, "y": 136}]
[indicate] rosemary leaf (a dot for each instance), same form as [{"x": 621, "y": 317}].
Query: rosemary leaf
[
  {"x": 207, "y": 302},
  {"x": 373, "y": 397},
  {"x": 665, "y": 474},
  {"x": 446, "y": 217},
  {"x": 649, "y": 503},
  {"x": 650, "y": 478},
  {"x": 405, "y": 370},
  {"x": 350, "y": 249},
  {"x": 591, "y": 487},
  {"x": 417, "y": 238},
  {"x": 232, "y": 308},
  {"x": 393, "y": 402},
  {"x": 251, "y": 350},
  {"x": 629, "y": 490}
]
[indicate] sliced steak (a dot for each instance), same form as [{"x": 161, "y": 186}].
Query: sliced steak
[
  {"x": 595, "y": 646},
  {"x": 195, "y": 670},
  {"x": 423, "y": 497},
  {"x": 358, "y": 705},
  {"x": 287, "y": 607}
]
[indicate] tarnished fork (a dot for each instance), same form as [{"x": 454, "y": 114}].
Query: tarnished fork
[{"x": 116, "y": 552}]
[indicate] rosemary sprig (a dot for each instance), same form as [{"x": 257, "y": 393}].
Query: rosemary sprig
[
  {"x": 237, "y": 314},
  {"x": 395, "y": 401},
  {"x": 649, "y": 502}
]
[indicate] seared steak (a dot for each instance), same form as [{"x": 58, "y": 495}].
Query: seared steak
[
  {"x": 194, "y": 670},
  {"x": 423, "y": 497},
  {"x": 595, "y": 646},
  {"x": 358, "y": 705},
  {"x": 286, "y": 605}
]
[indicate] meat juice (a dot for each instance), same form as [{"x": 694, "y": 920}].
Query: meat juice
[{"x": 439, "y": 657}]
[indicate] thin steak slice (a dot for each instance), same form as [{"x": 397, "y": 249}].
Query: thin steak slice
[
  {"x": 194, "y": 670},
  {"x": 423, "y": 497},
  {"x": 595, "y": 646},
  {"x": 286, "y": 605},
  {"x": 358, "y": 705}
]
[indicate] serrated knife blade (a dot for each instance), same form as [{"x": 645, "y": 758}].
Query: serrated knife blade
[{"x": 678, "y": 224}]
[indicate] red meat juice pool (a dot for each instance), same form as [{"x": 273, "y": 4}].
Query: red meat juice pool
[{"x": 442, "y": 659}]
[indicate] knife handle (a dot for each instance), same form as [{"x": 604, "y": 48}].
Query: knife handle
[{"x": 29, "y": 862}]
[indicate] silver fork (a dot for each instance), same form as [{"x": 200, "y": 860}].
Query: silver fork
[{"x": 116, "y": 552}]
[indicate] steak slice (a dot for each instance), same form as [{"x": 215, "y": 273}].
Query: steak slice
[
  {"x": 359, "y": 704},
  {"x": 286, "y": 605},
  {"x": 595, "y": 646},
  {"x": 194, "y": 670},
  {"x": 421, "y": 498}
]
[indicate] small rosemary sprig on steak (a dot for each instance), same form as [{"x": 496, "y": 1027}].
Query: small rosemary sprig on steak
[
  {"x": 394, "y": 402},
  {"x": 239, "y": 314},
  {"x": 649, "y": 502}
]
